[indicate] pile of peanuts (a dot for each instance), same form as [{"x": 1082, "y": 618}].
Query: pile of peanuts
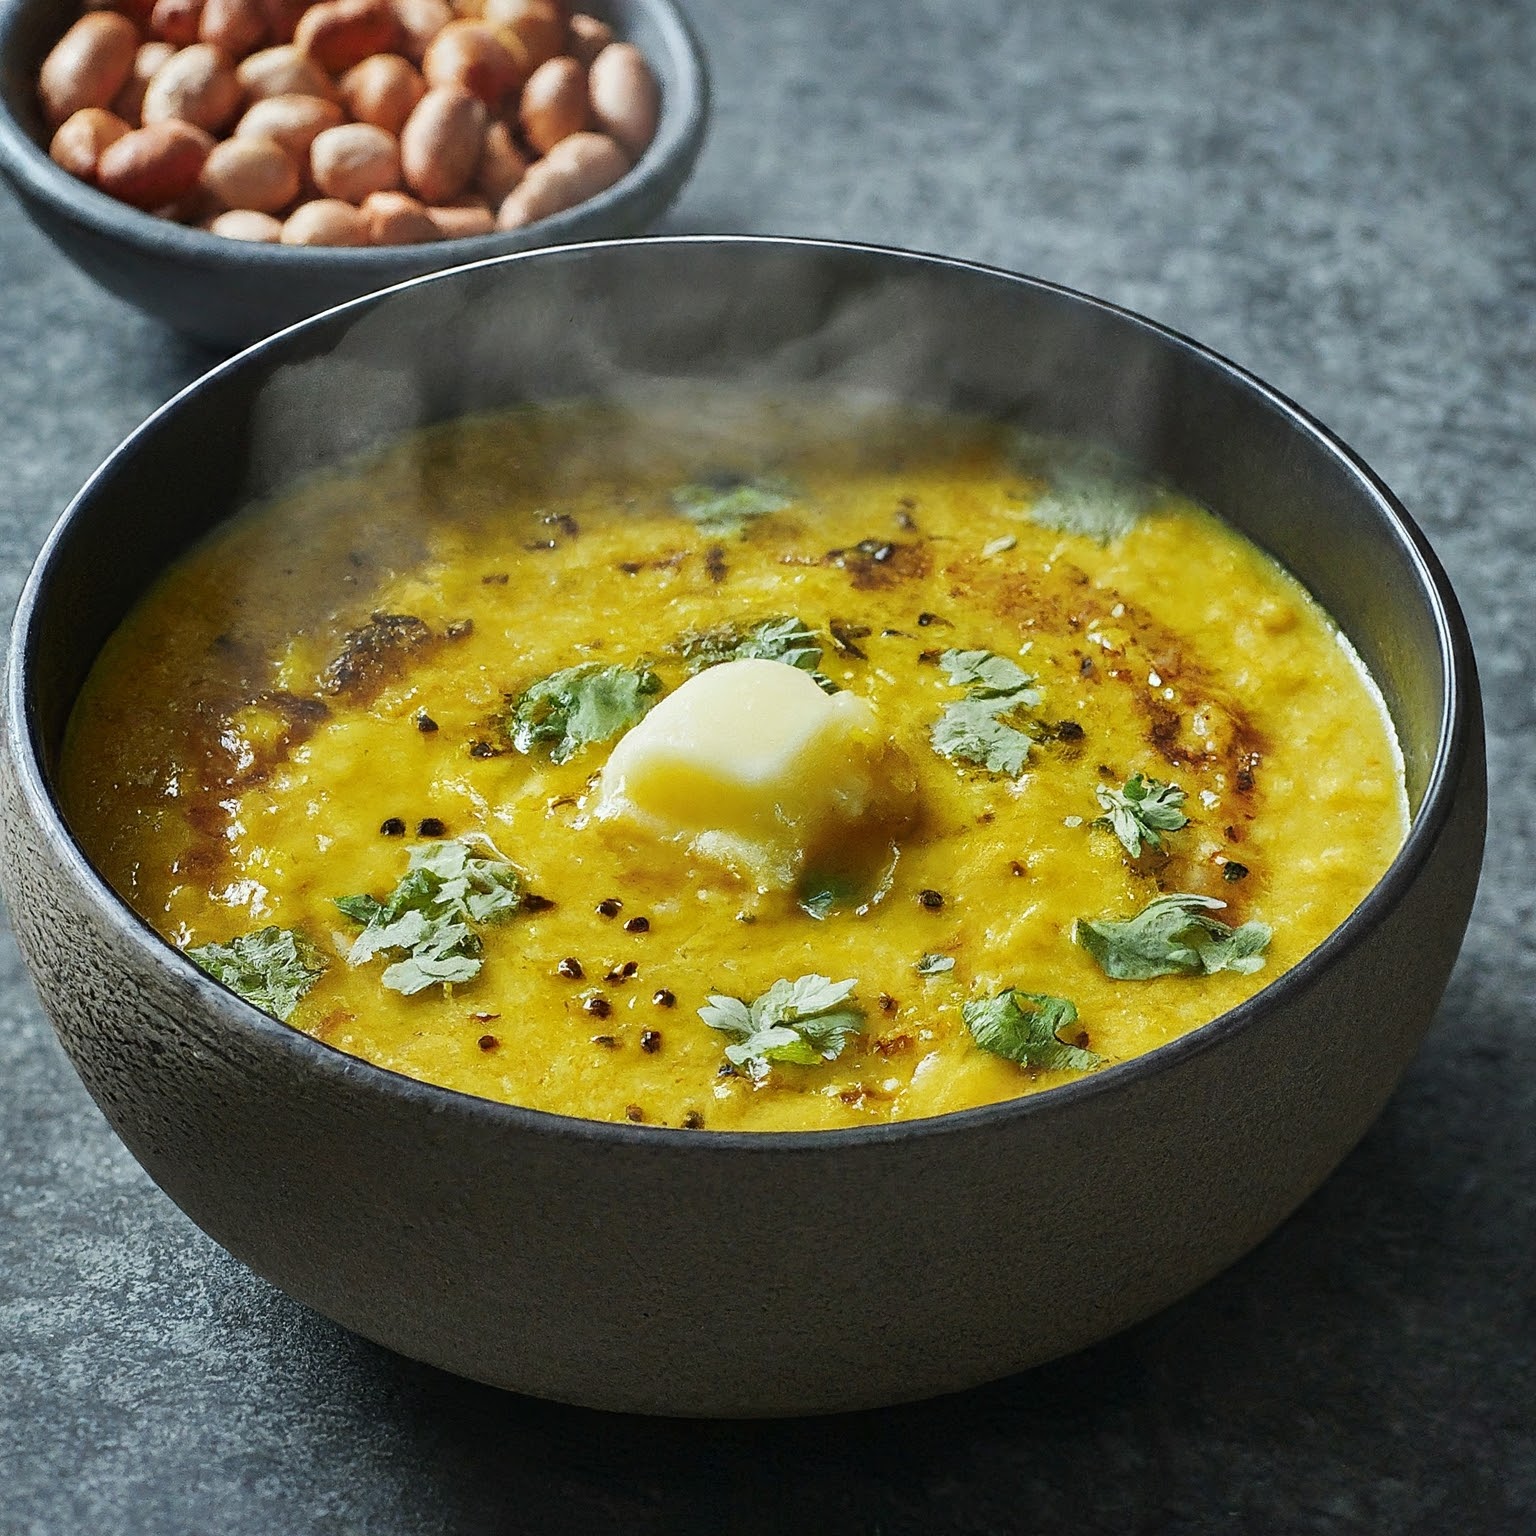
[{"x": 347, "y": 122}]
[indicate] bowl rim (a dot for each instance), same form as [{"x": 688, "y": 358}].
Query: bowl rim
[
  {"x": 1454, "y": 740},
  {"x": 679, "y": 136}
]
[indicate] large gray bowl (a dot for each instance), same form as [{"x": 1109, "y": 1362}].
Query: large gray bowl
[
  {"x": 697, "y": 1273},
  {"x": 230, "y": 292}
]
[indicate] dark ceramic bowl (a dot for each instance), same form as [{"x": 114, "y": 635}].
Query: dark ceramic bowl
[
  {"x": 230, "y": 292},
  {"x": 640, "y": 1268}
]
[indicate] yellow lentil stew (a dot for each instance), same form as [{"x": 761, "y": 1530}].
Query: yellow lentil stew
[{"x": 735, "y": 763}]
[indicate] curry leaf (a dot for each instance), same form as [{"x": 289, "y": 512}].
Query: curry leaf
[
  {"x": 1141, "y": 812},
  {"x": 806, "y": 1021},
  {"x": 983, "y": 727},
  {"x": 1026, "y": 1027},
  {"x": 570, "y": 709},
  {"x": 272, "y": 967},
  {"x": 1172, "y": 936}
]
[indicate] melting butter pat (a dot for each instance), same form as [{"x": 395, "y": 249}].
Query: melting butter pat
[{"x": 751, "y": 766}]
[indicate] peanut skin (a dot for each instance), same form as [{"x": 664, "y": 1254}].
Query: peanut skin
[
  {"x": 502, "y": 165},
  {"x": 325, "y": 221},
  {"x": 337, "y": 34},
  {"x": 576, "y": 169},
  {"x": 128, "y": 104},
  {"x": 625, "y": 98},
  {"x": 467, "y": 54},
  {"x": 354, "y": 159},
  {"x": 532, "y": 30},
  {"x": 283, "y": 71},
  {"x": 441, "y": 142},
  {"x": 293, "y": 121},
  {"x": 382, "y": 90},
  {"x": 250, "y": 172},
  {"x": 88, "y": 66},
  {"x": 554, "y": 103},
  {"x": 420, "y": 21},
  {"x": 236, "y": 26},
  {"x": 396, "y": 218},
  {"x": 176, "y": 21},
  {"x": 461, "y": 219},
  {"x": 588, "y": 37},
  {"x": 243, "y": 224},
  {"x": 155, "y": 165},
  {"x": 81, "y": 138},
  {"x": 195, "y": 85}
]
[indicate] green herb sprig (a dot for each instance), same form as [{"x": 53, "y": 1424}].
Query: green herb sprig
[
  {"x": 431, "y": 917},
  {"x": 271, "y": 967},
  {"x": 806, "y": 1021},
  {"x": 573, "y": 708},
  {"x": 786, "y": 638},
  {"x": 982, "y": 727},
  {"x": 1174, "y": 935},
  {"x": 725, "y": 504},
  {"x": 1026, "y": 1027},
  {"x": 1141, "y": 812}
]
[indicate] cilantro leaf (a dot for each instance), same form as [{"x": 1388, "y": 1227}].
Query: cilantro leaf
[
  {"x": 570, "y": 709},
  {"x": 272, "y": 967},
  {"x": 725, "y": 504},
  {"x": 1026, "y": 1027},
  {"x": 431, "y": 916},
  {"x": 981, "y": 728},
  {"x": 1088, "y": 489},
  {"x": 1141, "y": 812},
  {"x": 935, "y": 965},
  {"x": 1172, "y": 936},
  {"x": 806, "y": 1021},
  {"x": 785, "y": 639}
]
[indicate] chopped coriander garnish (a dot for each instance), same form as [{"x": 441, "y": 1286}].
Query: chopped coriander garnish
[
  {"x": 805, "y": 1021},
  {"x": 934, "y": 965},
  {"x": 981, "y": 728},
  {"x": 1172, "y": 936},
  {"x": 727, "y": 503},
  {"x": 577, "y": 706},
  {"x": 1088, "y": 489},
  {"x": 1141, "y": 812},
  {"x": 431, "y": 916},
  {"x": 272, "y": 967},
  {"x": 785, "y": 639},
  {"x": 1026, "y": 1027}
]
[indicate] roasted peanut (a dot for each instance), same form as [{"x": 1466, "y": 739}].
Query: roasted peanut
[
  {"x": 176, "y": 21},
  {"x": 396, "y": 218},
  {"x": 82, "y": 137},
  {"x": 533, "y": 30},
  {"x": 554, "y": 104},
  {"x": 292, "y": 120},
  {"x": 325, "y": 221},
  {"x": 625, "y": 98},
  {"x": 88, "y": 66},
  {"x": 382, "y": 90},
  {"x": 153, "y": 166},
  {"x": 128, "y": 104},
  {"x": 337, "y": 34},
  {"x": 462, "y": 218},
  {"x": 137, "y": 11},
  {"x": 588, "y": 37},
  {"x": 420, "y": 21},
  {"x": 236, "y": 26},
  {"x": 468, "y": 55},
  {"x": 283, "y": 71},
  {"x": 252, "y": 172},
  {"x": 245, "y": 224},
  {"x": 441, "y": 142},
  {"x": 574, "y": 170},
  {"x": 353, "y": 160},
  {"x": 195, "y": 85},
  {"x": 501, "y": 166}
]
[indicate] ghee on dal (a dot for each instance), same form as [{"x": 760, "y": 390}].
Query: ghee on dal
[{"x": 323, "y": 685}]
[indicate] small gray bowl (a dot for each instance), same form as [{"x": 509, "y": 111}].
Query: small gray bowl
[
  {"x": 669, "y": 1271},
  {"x": 231, "y": 292}
]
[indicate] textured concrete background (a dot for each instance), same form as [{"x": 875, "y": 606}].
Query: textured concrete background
[{"x": 1342, "y": 196}]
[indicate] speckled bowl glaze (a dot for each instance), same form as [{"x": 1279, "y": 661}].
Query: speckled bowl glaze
[
  {"x": 665, "y": 1271},
  {"x": 230, "y": 292}
]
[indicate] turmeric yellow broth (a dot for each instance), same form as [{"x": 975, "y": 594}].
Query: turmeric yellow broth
[{"x": 1043, "y": 719}]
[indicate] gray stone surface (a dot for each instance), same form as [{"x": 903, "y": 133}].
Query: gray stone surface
[{"x": 1340, "y": 195}]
